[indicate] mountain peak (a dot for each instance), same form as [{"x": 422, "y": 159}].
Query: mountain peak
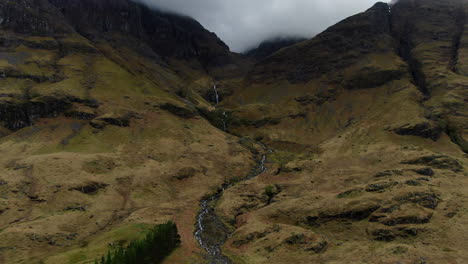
[{"x": 272, "y": 45}]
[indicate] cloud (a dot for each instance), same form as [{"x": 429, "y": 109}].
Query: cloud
[{"x": 243, "y": 24}]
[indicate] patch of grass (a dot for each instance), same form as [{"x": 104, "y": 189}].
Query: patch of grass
[
  {"x": 77, "y": 257},
  {"x": 87, "y": 252},
  {"x": 158, "y": 244},
  {"x": 282, "y": 157}
]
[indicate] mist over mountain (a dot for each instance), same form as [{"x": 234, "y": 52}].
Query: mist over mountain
[
  {"x": 270, "y": 46},
  {"x": 243, "y": 24}
]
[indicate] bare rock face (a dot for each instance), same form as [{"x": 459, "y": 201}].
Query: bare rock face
[
  {"x": 37, "y": 17},
  {"x": 425, "y": 130},
  {"x": 161, "y": 37},
  {"x": 19, "y": 115},
  {"x": 169, "y": 35},
  {"x": 434, "y": 51},
  {"x": 334, "y": 49},
  {"x": 107, "y": 126},
  {"x": 437, "y": 161}
]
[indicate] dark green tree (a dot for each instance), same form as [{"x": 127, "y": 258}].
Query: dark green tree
[{"x": 160, "y": 241}]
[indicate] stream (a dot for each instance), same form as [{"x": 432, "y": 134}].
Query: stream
[{"x": 210, "y": 232}]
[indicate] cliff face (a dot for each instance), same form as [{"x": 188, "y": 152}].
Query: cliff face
[
  {"x": 434, "y": 51},
  {"x": 169, "y": 35},
  {"x": 35, "y": 17},
  {"x": 108, "y": 124},
  {"x": 138, "y": 39}
]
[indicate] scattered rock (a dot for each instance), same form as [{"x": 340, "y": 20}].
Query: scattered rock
[
  {"x": 437, "y": 161},
  {"x": 423, "y": 179},
  {"x": 59, "y": 239},
  {"x": 23, "y": 113},
  {"x": 425, "y": 171},
  {"x": 256, "y": 235},
  {"x": 75, "y": 208},
  {"x": 267, "y": 122},
  {"x": 121, "y": 121},
  {"x": 425, "y": 130},
  {"x": 413, "y": 183},
  {"x": 350, "y": 193},
  {"x": 179, "y": 111},
  {"x": 99, "y": 166},
  {"x": 383, "y": 234},
  {"x": 36, "y": 198},
  {"x": 318, "y": 99},
  {"x": 390, "y": 234},
  {"x": 80, "y": 114},
  {"x": 290, "y": 169},
  {"x": 90, "y": 188},
  {"x": 98, "y": 124},
  {"x": 314, "y": 243},
  {"x": 357, "y": 210},
  {"x": 388, "y": 173},
  {"x": 425, "y": 199},
  {"x": 402, "y": 214},
  {"x": 185, "y": 173},
  {"x": 379, "y": 187}
]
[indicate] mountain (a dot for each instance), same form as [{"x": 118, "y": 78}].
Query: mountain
[
  {"x": 350, "y": 147},
  {"x": 270, "y": 46},
  {"x": 100, "y": 132}
]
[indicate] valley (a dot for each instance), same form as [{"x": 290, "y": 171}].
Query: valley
[{"x": 349, "y": 147}]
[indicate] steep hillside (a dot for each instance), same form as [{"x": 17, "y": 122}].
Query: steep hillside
[
  {"x": 97, "y": 143},
  {"x": 368, "y": 124},
  {"x": 350, "y": 147}
]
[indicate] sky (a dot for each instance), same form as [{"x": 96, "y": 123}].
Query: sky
[{"x": 243, "y": 24}]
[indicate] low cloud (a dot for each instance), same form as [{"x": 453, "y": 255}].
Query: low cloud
[{"x": 243, "y": 24}]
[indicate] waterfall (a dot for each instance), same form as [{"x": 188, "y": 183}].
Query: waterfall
[{"x": 216, "y": 93}]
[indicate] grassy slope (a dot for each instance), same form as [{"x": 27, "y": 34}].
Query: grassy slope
[
  {"x": 338, "y": 146},
  {"x": 40, "y": 164}
]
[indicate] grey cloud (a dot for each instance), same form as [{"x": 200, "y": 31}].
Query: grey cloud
[{"x": 243, "y": 24}]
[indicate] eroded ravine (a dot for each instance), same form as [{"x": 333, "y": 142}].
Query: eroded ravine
[{"x": 210, "y": 231}]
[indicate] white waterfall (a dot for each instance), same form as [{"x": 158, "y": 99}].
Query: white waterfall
[{"x": 216, "y": 93}]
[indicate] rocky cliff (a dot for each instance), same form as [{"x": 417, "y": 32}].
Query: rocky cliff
[{"x": 109, "y": 123}]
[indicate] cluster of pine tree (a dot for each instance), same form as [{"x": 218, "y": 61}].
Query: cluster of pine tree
[{"x": 158, "y": 244}]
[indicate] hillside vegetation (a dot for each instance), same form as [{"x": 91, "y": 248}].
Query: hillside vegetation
[{"x": 110, "y": 125}]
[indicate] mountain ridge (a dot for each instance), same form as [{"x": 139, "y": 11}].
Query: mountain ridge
[{"x": 114, "y": 117}]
